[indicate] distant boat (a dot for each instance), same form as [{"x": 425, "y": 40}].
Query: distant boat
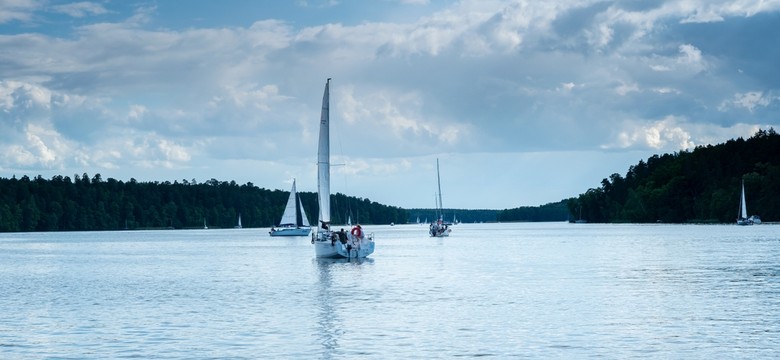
[
  {"x": 742, "y": 217},
  {"x": 204, "y": 224},
  {"x": 329, "y": 243},
  {"x": 580, "y": 220},
  {"x": 439, "y": 228},
  {"x": 238, "y": 226},
  {"x": 294, "y": 221}
]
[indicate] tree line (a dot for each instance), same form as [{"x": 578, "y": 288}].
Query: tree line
[
  {"x": 702, "y": 185},
  {"x": 84, "y": 203},
  {"x": 557, "y": 211},
  {"x": 451, "y": 215}
]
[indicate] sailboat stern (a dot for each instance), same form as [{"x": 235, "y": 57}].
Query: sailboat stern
[{"x": 328, "y": 245}]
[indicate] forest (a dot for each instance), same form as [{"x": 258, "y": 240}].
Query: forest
[
  {"x": 451, "y": 215},
  {"x": 557, "y": 211},
  {"x": 84, "y": 203},
  {"x": 698, "y": 186}
]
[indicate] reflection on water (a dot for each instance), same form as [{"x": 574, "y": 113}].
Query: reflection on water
[
  {"x": 331, "y": 301},
  {"x": 329, "y": 324},
  {"x": 498, "y": 290}
]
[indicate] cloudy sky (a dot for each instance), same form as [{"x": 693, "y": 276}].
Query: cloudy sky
[{"x": 523, "y": 102}]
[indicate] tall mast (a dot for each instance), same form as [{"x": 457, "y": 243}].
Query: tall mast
[{"x": 438, "y": 179}]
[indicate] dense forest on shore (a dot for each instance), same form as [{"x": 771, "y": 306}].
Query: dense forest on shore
[
  {"x": 698, "y": 186},
  {"x": 557, "y": 211},
  {"x": 60, "y": 203},
  {"x": 451, "y": 215}
]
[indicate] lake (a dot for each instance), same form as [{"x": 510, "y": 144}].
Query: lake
[{"x": 522, "y": 290}]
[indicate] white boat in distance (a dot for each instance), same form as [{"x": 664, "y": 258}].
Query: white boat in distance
[
  {"x": 742, "y": 217},
  {"x": 439, "y": 228},
  {"x": 294, "y": 221},
  {"x": 329, "y": 243}
]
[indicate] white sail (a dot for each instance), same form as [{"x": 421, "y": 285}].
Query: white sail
[
  {"x": 323, "y": 159},
  {"x": 304, "y": 219},
  {"x": 289, "y": 216},
  {"x": 294, "y": 221},
  {"x": 742, "y": 205}
]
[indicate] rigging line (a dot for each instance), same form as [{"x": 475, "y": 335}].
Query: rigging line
[{"x": 341, "y": 154}]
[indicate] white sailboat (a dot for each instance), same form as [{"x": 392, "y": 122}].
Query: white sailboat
[
  {"x": 439, "y": 228},
  {"x": 238, "y": 226},
  {"x": 294, "y": 221},
  {"x": 328, "y": 243},
  {"x": 742, "y": 216}
]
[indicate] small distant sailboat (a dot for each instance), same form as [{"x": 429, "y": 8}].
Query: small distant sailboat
[
  {"x": 439, "y": 228},
  {"x": 294, "y": 221},
  {"x": 238, "y": 226},
  {"x": 742, "y": 217},
  {"x": 329, "y": 243},
  {"x": 205, "y": 227}
]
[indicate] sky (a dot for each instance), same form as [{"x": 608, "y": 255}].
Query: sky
[{"x": 522, "y": 102}]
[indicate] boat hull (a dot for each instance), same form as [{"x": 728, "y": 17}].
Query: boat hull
[
  {"x": 327, "y": 246},
  {"x": 445, "y": 233},
  {"x": 291, "y": 232},
  {"x": 439, "y": 230}
]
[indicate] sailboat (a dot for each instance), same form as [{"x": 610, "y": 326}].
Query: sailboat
[
  {"x": 329, "y": 243},
  {"x": 238, "y": 226},
  {"x": 294, "y": 221},
  {"x": 439, "y": 228},
  {"x": 742, "y": 217}
]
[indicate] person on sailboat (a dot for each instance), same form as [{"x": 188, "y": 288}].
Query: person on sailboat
[
  {"x": 343, "y": 236},
  {"x": 357, "y": 232}
]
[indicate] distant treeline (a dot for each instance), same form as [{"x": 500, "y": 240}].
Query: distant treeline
[
  {"x": 86, "y": 203},
  {"x": 452, "y": 215},
  {"x": 702, "y": 185},
  {"x": 557, "y": 211}
]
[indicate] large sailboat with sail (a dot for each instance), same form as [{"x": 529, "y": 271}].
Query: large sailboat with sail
[
  {"x": 328, "y": 243},
  {"x": 294, "y": 221},
  {"x": 742, "y": 215},
  {"x": 439, "y": 228}
]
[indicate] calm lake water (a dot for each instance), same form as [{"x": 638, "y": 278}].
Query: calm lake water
[{"x": 538, "y": 290}]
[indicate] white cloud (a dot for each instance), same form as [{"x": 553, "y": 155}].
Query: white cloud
[
  {"x": 667, "y": 134},
  {"x": 81, "y": 9},
  {"x": 481, "y": 76},
  {"x": 749, "y": 101},
  {"x": 624, "y": 89},
  {"x": 18, "y": 10}
]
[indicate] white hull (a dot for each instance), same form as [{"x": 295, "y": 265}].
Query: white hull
[
  {"x": 327, "y": 246},
  {"x": 440, "y": 233},
  {"x": 291, "y": 232}
]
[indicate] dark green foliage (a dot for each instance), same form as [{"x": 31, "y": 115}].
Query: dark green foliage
[
  {"x": 702, "y": 185},
  {"x": 461, "y": 215},
  {"x": 549, "y": 212},
  {"x": 96, "y": 204}
]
